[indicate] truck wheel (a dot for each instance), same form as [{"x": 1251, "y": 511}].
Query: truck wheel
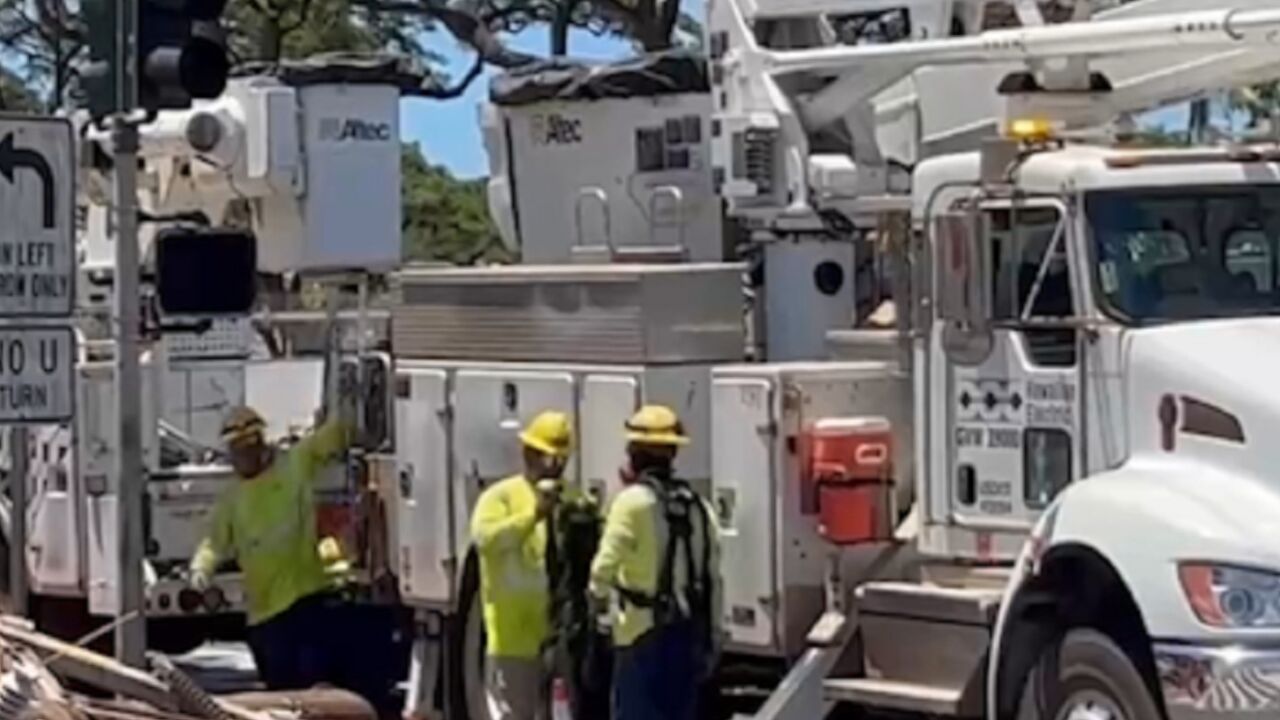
[{"x": 1086, "y": 676}]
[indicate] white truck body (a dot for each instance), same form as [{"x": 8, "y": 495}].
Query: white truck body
[{"x": 1068, "y": 467}]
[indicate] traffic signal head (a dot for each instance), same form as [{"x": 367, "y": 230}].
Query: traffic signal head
[
  {"x": 179, "y": 58},
  {"x": 180, "y": 55},
  {"x": 205, "y": 272}
]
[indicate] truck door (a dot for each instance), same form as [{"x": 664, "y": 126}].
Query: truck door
[
  {"x": 424, "y": 523},
  {"x": 745, "y": 500},
  {"x": 1015, "y": 416},
  {"x": 492, "y": 407},
  {"x": 607, "y": 402}
]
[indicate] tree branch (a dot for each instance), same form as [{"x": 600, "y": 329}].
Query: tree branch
[
  {"x": 668, "y": 16},
  {"x": 304, "y": 14},
  {"x": 463, "y": 26},
  {"x": 449, "y": 93},
  {"x": 622, "y": 12}
]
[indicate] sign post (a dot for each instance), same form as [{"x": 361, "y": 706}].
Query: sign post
[
  {"x": 37, "y": 294},
  {"x": 131, "y": 636}
]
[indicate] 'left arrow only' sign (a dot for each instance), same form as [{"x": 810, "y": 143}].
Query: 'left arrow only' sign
[{"x": 37, "y": 217}]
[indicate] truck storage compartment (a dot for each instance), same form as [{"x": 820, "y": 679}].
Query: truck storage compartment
[
  {"x": 643, "y": 314},
  {"x": 771, "y": 539}
]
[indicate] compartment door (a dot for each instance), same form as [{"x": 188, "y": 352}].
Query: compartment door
[
  {"x": 424, "y": 521},
  {"x": 745, "y": 500},
  {"x": 492, "y": 406},
  {"x": 96, "y": 448},
  {"x": 607, "y": 402}
]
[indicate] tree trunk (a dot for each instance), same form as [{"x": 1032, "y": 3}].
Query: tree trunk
[
  {"x": 560, "y": 29},
  {"x": 652, "y": 38},
  {"x": 270, "y": 40}
]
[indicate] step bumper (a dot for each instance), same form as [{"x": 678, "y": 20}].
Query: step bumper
[{"x": 1219, "y": 683}]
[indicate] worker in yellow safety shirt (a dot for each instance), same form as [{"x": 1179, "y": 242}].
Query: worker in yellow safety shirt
[
  {"x": 509, "y": 530},
  {"x": 659, "y": 557},
  {"x": 267, "y": 523}
]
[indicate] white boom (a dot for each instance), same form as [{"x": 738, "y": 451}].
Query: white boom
[
  {"x": 1208, "y": 29},
  {"x": 905, "y": 100}
]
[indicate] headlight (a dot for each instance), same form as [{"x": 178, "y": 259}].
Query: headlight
[{"x": 1230, "y": 597}]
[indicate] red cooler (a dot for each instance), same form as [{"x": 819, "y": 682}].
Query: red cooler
[{"x": 850, "y": 467}]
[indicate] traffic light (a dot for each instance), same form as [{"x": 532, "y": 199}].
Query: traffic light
[
  {"x": 180, "y": 55},
  {"x": 205, "y": 272}
]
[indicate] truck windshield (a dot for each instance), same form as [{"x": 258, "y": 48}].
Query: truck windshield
[{"x": 1187, "y": 253}]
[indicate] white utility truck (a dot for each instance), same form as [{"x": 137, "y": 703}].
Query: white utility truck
[
  {"x": 274, "y": 154},
  {"x": 1041, "y": 495}
]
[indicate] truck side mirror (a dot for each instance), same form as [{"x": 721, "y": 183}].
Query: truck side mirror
[{"x": 963, "y": 299}]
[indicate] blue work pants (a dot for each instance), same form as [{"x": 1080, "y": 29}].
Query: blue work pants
[{"x": 659, "y": 677}]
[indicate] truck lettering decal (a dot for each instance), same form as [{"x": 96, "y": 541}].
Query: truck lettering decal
[
  {"x": 342, "y": 130},
  {"x": 555, "y": 129},
  {"x": 990, "y": 400},
  {"x": 997, "y": 488},
  {"x": 1051, "y": 415},
  {"x": 969, "y": 436},
  {"x": 1055, "y": 391},
  {"x": 1004, "y": 439},
  {"x": 995, "y": 507}
]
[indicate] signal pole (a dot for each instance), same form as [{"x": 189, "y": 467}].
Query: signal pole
[
  {"x": 131, "y": 634},
  {"x": 144, "y": 56}
]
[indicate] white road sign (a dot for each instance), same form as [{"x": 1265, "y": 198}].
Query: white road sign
[
  {"x": 37, "y": 217},
  {"x": 37, "y": 374}
]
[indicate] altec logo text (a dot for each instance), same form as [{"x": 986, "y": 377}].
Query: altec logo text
[
  {"x": 339, "y": 130},
  {"x": 555, "y": 130}
]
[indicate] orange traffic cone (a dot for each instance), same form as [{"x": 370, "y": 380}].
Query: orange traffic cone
[{"x": 560, "y": 709}]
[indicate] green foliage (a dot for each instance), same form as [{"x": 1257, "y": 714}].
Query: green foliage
[
  {"x": 1260, "y": 102},
  {"x": 15, "y": 96},
  {"x": 445, "y": 219},
  {"x": 275, "y": 29}
]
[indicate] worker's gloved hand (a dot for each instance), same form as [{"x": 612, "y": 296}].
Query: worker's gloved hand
[
  {"x": 199, "y": 580},
  {"x": 599, "y": 606},
  {"x": 548, "y": 497}
]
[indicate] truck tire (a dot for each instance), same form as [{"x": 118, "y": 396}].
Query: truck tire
[{"x": 1085, "y": 674}]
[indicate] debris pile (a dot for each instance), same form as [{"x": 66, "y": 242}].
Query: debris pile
[{"x": 37, "y": 673}]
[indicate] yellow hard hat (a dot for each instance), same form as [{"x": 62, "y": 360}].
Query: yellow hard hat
[
  {"x": 242, "y": 423},
  {"x": 656, "y": 425},
  {"x": 549, "y": 433}
]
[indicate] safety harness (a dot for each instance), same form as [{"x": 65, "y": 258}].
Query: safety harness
[
  {"x": 578, "y": 650},
  {"x": 680, "y": 505}
]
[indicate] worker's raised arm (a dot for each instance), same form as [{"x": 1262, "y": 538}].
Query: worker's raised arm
[
  {"x": 329, "y": 439},
  {"x": 495, "y": 528},
  {"x": 616, "y": 542}
]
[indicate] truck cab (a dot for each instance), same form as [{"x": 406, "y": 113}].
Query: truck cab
[{"x": 1091, "y": 386}]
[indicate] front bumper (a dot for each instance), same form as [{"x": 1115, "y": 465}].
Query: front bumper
[{"x": 1219, "y": 683}]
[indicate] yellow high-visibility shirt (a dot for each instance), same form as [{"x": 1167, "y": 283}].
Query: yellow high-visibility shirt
[
  {"x": 512, "y": 545},
  {"x": 268, "y": 525},
  {"x": 632, "y": 545}
]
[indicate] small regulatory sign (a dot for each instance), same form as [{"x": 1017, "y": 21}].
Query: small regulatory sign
[
  {"x": 37, "y": 374},
  {"x": 37, "y": 217}
]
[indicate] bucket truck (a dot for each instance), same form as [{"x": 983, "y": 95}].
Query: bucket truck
[
  {"x": 1043, "y": 494},
  {"x": 307, "y": 156}
]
